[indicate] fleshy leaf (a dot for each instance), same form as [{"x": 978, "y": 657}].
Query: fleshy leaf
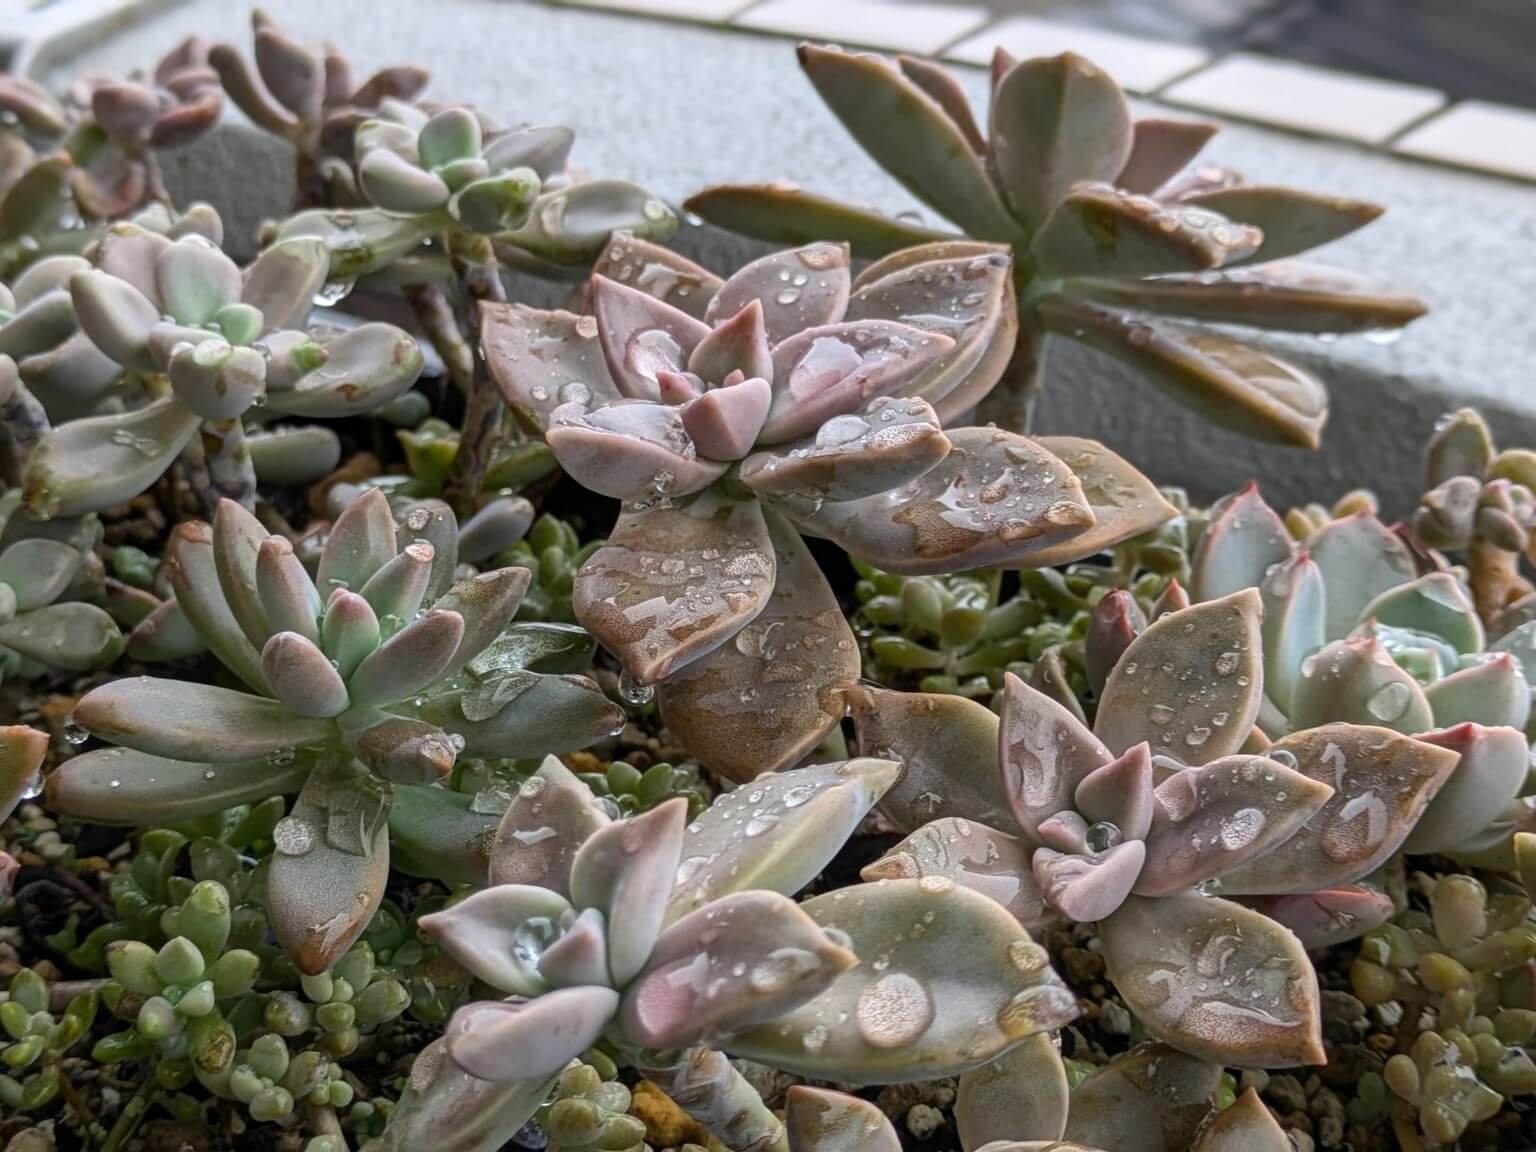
[
  {"x": 1360, "y": 558},
  {"x": 1151, "y": 1097},
  {"x": 947, "y": 748},
  {"x": 1191, "y": 684},
  {"x": 995, "y": 499},
  {"x": 1294, "y": 622},
  {"x": 437, "y": 834},
  {"x": 1356, "y": 681},
  {"x": 1243, "y": 539},
  {"x": 1085, "y": 888},
  {"x": 784, "y": 214},
  {"x": 660, "y": 272},
  {"x": 626, "y": 870},
  {"x": 281, "y": 282},
  {"x": 799, "y": 289},
  {"x": 580, "y": 955},
  {"x": 364, "y": 367},
  {"x": 22, "y": 750},
  {"x": 818, "y": 1120},
  {"x": 1044, "y": 753},
  {"x": 1022, "y": 1095},
  {"x": 121, "y": 786},
  {"x": 1329, "y": 916},
  {"x": 765, "y": 698},
  {"x": 777, "y": 833},
  {"x": 360, "y": 542},
  {"x": 116, "y": 316},
  {"x": 1491, "y": 772},
  {"x": 742, "y": 960},
  {"x": 541, "y": 360},
  {"x": 483, "y": 932},
  {"x": 445, "y": 1108},
  {"x": 1160, "y": 149},
  {"x": 1100, "y": 230},
  {"x": 916, "y": 1006},
  {"x": 630, "y": 450},
  {"x": 641, "y": 336},
  {"x": 301, "y": 676},
  {"x": 1436, "y": 603},
  {"x": 640, "y": 597},
  {"x": 724, "y": 422},
  {"x": 1246, "y": 1126},
  {"x": 1212, "y": 819},
  {"x": 209, "y": 603},
  {"x": 1493, "y": 691},
  {"x": 549, "y": 819},
  {"x": 530, "y": 1039},
  {"x": 521, "y": 714},
  {"x": 72, "y": 637},
  {"x": 1293, "y": 221},
  {"x": 994, "y": 863},
  {"x": 1382, "y": 783},
  {"x": 1115, "y": 621},
  {"x": 92, "y": 464},
  {"x": 570, "y": 225},
  {"x": 1216, "y": 980}
]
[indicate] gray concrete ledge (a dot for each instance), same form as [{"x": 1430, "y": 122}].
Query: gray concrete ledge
[{"x": 677, "y": 107}]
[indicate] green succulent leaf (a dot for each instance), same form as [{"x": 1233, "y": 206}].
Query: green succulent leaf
[
  {"x": 122, "y": 786},
  {"x": 1293, "y": 221},
  {"x": 92, "y": 464},
  {"x": 1100, "y": 230},
  {"x": 1152, "y": 1096},
  {"x": 784, "y": 214}
]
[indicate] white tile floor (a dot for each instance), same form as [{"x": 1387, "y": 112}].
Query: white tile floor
[
  {"x": 920, "y": 28},
  {"x": 709, "y": 11},
  {"x": 1488, "y": 137},
  {"x": 1139, "y": 65}
]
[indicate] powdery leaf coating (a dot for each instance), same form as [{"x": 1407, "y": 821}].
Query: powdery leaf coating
[
  {"x": 995, "y": 499},
  {"x": 947, "y": 748},
  {"x": 549, "y": 819},
  {"x": 1216, "y": 980},
  {"x": 915, "y": 1006},
  {"x": 1022, "y": 1095},
  {"x": 121, "y": 786},
  {"x": 1243, "y": 539},
  {"x": 819, "y": 1120},
  {"x": 1493, "y": 692},
  {"x": 673, "y": 583},
  {"x": 1328, "y": 916},
  {"x": 541, "y": 360},
  {"x": 1382, "y": 783},
  {"x": 776, "y": 833},
  {"x": 529, "y": 1039},
  {"x": 1152, "y": 1098},
  {"x": 1356, "y": 681},
  {"x": 766, "y": 697},
  {"x": 1360, "y": 558},
  {"x": 445, "y": 1108},
  {"x": 1246, "y": 1126},
  {"x": 1191, "y": 684},
  {"x": 1436, "y": 603},
  {"x": 658, "y": 272},
  {"x": 977, "y": 857},
  {"x": 1491, "y": 772}
]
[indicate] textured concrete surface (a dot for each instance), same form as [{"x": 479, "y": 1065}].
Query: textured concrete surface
[{"x": 677, "y": 108}]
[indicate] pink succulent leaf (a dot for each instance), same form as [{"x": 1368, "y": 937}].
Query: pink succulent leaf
[
  {"x": 1173, "y": 599},
  {"x": 640, "y": 597},
  {"x": 1120, "y": 793},
  {"x": 211, "y": 605},
  {"x": 1356, "y": 681},
  {"x": 819, "y": 1120},
  {"x": 1055, "y": 122},
  {"x": 994, "y": 863},
  {"x": 364, "y": 367},
  {"x": 1209, "y": 658},
  {"x": 410, "y": 661},
  {"x": 996, "y": 498},
  {"x": 360, "y": 542},
  {"x": 1491, "y": 773},
  {"x": 737, "y": 343},
  {"x": 1382, "y": 783},
  {"x": 1067, "y": 831},
  {"x": 1328, "y": 916},
  {"x": 1044, "y": 754},
  {"x": 762, "y": 701},
  {"x": 541, "y": 360},
  {"x": 630, "y": 450},
  {"x": 1088, "y": 888},
  {"x": 626, "y": 870},
  {"x": 947, "y": 748},
  {"x": 580, "y": 955},
  {"x": 22, "y": 750},
  {"x": 1493, "y": 692},
  {"x": 1295, "y": 616},
  {"x": 483, "y": 931},
  {"x": 116, "y": 316},
  {"x": 289, "y": 599},
  {"x": 797, "y": 289},
  {"x": 741, "y": 960},
  {"x": 529, "y": 1039},
  {"x": 824, "y": 372},
  {"x": 945, "y": 91},
  {"x": 1212, "y": 819},
  {"x": 1359, "y": 558},
  {"x": 1245, "y": 1126},
  {"x": 679, "y": 387},
  {"x": 1115, "y": 621},
  {"x": 1019, "y": 1098},
  {"x": 553, "y": 814},
  {"x": 1293, "y": 221},
  {"x": 1243, "y": 539},
  {"x": 1160, "y": 149},
  {"x": 302, "y": 676},
  {"x": 659, "y": 272},
  {"x": 962, "y": 289},
  {"x": 401, "y": 750},
  {"x": 893, "y": 442},
  {"x": 724, "y": 422},
  {"x": 1216, "y": 980},
  {"x": 130, "y": 253},
  {"x": 1152, "y": 1094},
  {"x": 442, "y": 1107},
  {"x": 487, "y": 603},
  {"x": 641, "y": 336}
]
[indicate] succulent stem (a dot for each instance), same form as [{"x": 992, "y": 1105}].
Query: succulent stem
[
  {"x": 480, "y": 275},
  {"x": 441, "y": 326},
  {"x": 133, "y": 1112},
  {"x": 228, "y": 464},
  {"x": 1011, "y": 405}
]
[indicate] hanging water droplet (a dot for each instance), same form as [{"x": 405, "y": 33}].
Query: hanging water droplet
[
  {"x": 74, "y": 733},
  {"x": 634, "y": 693},
  {"x": 33, "y": 787},
  {"x": 333, "y": 292}
]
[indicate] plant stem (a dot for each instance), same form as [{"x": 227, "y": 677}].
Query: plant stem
[
  {"x": 480, "y": 275},
  {"x": 227, "y": 461},
  {"x": 1011, "y": 405},
  {"x": 133, "y": 1111},
  {"x": 441, "y": 326},
  {"x": 75, "y": 1101}
]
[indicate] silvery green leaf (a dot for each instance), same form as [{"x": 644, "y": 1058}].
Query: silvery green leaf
[
  {"x": 439, "y": 834},
  {"x": 289, "y": 600},
  {"x": 397, "y": 589},
  {"x": 1100, "y": 230},
  {"x": 996, "y": 864},
  {"x": 213, "y": 574},
  {"x": 72, "y": 636},
  {"x": 542, "y": 715},
  {"x": 571, "y": 225},
  {"x": 1436, "y": 603},
  {"x": 1360, "y": 558},
  {"x": 536, "y": 647},
  {"x": 1356, "y": 681},
  {"x": 394, "y": 184},
  {"x": 293, "y": 455},
  {"x": 194, "y": 280},
  {"x": 364, "y": 367},
  {"x": 496, "y": 526},
  {"x": 1151, "y": 1097},
  {"x": 1492, "y": 691},
  {"x": 783, "y": 214},
  {"x": 71, "y": 380},
  {"x": 1293, "y": 221},
  {"x": 36, "y": 327},
  {"x": 121, "y": 786},
  {"x": 116, "y": 316},
  {"x": 1022, "y": 1095},
  {"x": 1491, "y": 772},
  {"x": 445, "y": 1108},
  {"x": 916, "y": 1006},
  {"x": 91, "y": 464},
  {"x": 544, "y": 149},
  {"x": 282, "y": 282},
  {"x": 776, "y": 833},
  {"x": 433, "y": 521},
  {"x": 38, "y": 570},
  {"x": 1243, "y": 539},
  {"x": 408, "y": 662},
  {"x": 360, "y": 542},
  {"x": 360, "y": 241},
  {"x": 487, "y": 933},
  {"x": 1294, "y": 624},
  {"x": 486, "y": 603}
]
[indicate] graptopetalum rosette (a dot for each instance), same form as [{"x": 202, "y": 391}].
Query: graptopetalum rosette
[
  {"x": 733, "y": 416},
  {"x": 668, "y": 941},
  {"x": 1135, "y": 824}
]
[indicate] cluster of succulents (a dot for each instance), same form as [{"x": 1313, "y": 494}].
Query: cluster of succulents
[{"x": 34, "y": 1039}]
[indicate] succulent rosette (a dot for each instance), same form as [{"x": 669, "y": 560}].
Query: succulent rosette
[
  {"x": 1172, "y": 796},
  {"x": 352, "y": 697},
  {"x": 1115, "y": 245},
  {"x": 181, "y": 317},
  {"x": 732, "y": 416}
]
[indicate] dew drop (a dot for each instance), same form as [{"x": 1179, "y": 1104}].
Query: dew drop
[
  {"x": 293, "y": 836},
  {"x": 893, "y": 1011}
]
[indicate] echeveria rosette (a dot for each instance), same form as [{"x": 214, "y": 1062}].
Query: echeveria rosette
[
  {"x": 382, "y": 680},
  {"x": 223, "y": 342},
  {"x": 1113, "y": 246}
]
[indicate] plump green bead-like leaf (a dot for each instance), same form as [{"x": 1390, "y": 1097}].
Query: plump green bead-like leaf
[
  {"x": 1382, "y": 782},
  {"x": 1100, "y": 230},
  {"x": 638, "y": 596},
  {"x": 1360, "y": 558},
  {"x": 947, "y": 748},
  {"x": 121, "y": 786},
  {"x": 784, "y": 214},
  {"x": 445, "y": 1108},
  {"x": 1151, "y": 1099},
  {"x": 549, "y": 819},
  {"x": 994, "y": 863},
  {"x": 765, "y": 698},
  {"x": 529, "y": 1039},
  {"x": 1492, "y": 692},
  {"x": 818, "y": 1120},
  {"x": 1293, "y": 221},
  {"x": 1243, "y": 539},
  {"x": 910, "y": 136},
  {"x": 745, "y": 959},
  {"x": 1230, "y": 383},
  {"x": 1191, "y": 684},
  {"x": 22, "y": 749},
  {"x": 91, "y": 464},
  {"x": 915, "y": 1006},
  {"x": 1022, "y": 1095},
  {"x": 1356, "y": 681},
  {"x": 189, "y": 721},
  {"x": 775, "y": 833},
  {"x": 1216, "y": 980},
  {"x": 1055, "y": 121},
  {"x": 481, "y": 932},
  {"x": 1491, "y": 772}
]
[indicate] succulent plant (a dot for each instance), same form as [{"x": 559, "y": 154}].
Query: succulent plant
[
  {"x": 22, "y": 750},
  {"x": 210, "y": 344},
  {"x": 588, "y": 1113},
  {"x": 704, "y": 587},
  {"x": 387, "y": 678},
  {"x": 1091, "y": 825},
  {"x": 1108, "y": 236},
  {"x": 553, "y": 552},
  {"x": 34, "y": 1038}
]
